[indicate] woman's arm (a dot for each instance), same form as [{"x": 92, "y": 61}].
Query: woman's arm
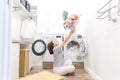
[{"x": 68, "y": 37}]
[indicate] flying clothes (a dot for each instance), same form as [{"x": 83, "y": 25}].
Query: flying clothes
[
  {"x": 65, "y": 15},
  {"x": 71, "y": 21}
]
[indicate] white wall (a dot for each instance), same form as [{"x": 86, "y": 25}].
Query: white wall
[
  {"x": 102, "y": 60},
  {"x": 5, "y": 27},
  {"x": 50, "y": 15}
]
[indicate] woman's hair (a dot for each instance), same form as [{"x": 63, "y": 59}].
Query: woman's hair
[{"x": 50, "y": 47}]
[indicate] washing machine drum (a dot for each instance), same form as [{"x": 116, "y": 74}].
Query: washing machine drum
[
  {"x": 73, "y": 46},
  {"x": 38, "y": 47}
]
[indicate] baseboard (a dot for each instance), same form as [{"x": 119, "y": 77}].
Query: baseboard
[
  {"x": 49, "y": 65},
  {"x": 78, "y": 65},
  {"x": 91, "y": 73}
]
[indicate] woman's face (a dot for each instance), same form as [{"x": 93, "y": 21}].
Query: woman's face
[{"x": 55, "y": 43}]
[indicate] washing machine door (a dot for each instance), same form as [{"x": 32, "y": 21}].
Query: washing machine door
[
  {"x": 38, "y": 47},
  {"x": 83, "y": 47},
  {"x": 73, "y": 46},
  {"x": 72, "y": 51}
]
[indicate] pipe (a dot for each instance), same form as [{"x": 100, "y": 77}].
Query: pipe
[
  {"x": 106, "y": 12},
  {"x": 103, "y": 7}
]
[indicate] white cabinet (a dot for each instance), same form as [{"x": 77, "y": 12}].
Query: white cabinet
[
  {"x": 15, "y": 47},
  {"x": 16, "y": 26},
  {"x": 15, "y": 52}
]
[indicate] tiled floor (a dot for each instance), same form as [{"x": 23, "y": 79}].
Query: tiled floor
[{"x": 80, "y": 74}]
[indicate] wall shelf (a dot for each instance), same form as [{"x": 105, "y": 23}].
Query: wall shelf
[{"x": 17, "y": 6}]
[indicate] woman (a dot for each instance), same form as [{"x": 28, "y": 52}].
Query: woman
[{"x": 59, "y": 66}]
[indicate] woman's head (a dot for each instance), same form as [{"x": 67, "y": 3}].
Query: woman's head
[{"x": 51, "y": 46}]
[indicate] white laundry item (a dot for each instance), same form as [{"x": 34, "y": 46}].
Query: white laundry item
[
  {"x": 28, "y": 29},
  {"x": 68, "y": 67}
]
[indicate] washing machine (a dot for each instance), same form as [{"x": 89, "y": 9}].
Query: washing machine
[
  {"x": 75, "y": 48},
  {"x": 36, "y": 47},
  {"x": 47, "y": 57}
]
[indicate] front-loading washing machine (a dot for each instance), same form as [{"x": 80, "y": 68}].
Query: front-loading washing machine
[
  {"x": 36, "y": 60},
  {"x": 73, "y": 48},
  {"x": 47, "y": 57}
]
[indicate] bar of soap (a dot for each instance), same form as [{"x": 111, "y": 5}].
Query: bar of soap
[{"x": 44, "y": 75}]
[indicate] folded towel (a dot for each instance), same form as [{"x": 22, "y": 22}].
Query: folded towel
[{"x": 65, "y": 15}]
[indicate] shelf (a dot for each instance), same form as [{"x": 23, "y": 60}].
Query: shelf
[{"x": 17, "y": 6}]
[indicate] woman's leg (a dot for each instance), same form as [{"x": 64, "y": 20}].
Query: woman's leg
[
  {"x": 64, "y": 70},
  {"x": 68, "y": 62}
]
